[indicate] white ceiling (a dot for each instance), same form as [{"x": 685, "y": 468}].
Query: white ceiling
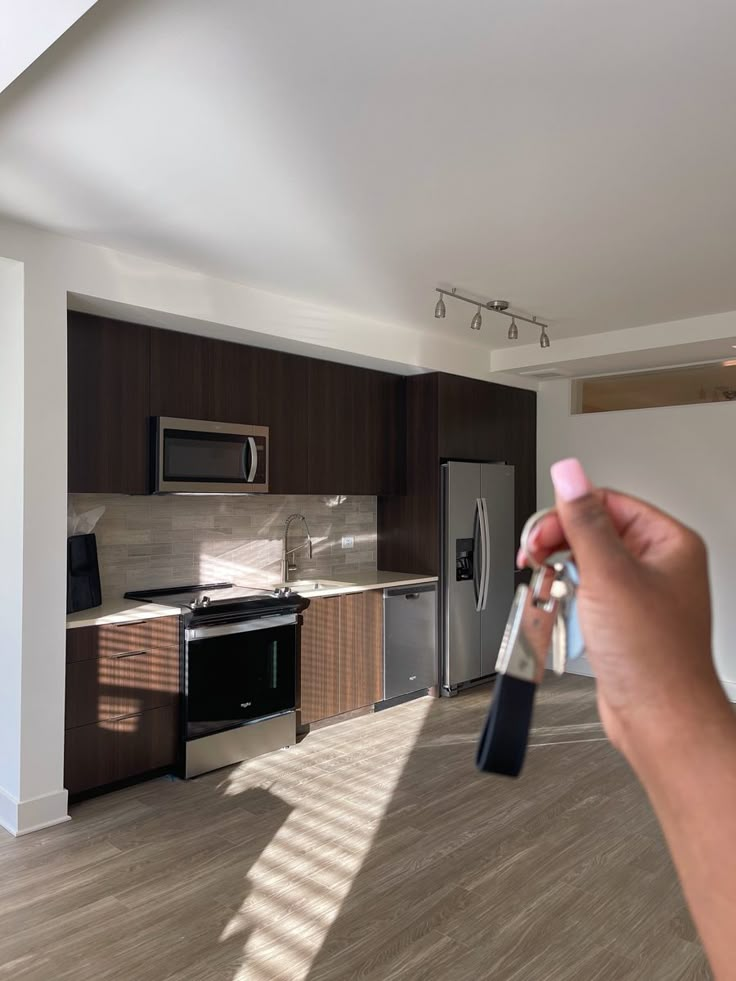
[
  {"x": 576, "y": 158},
  {"x": 29, "y": 28}
]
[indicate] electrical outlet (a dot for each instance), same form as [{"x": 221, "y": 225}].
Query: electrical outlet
[{"x": 348, "y": 541}]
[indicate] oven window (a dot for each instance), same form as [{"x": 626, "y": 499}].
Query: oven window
[
  {"x": 239, "y": 677},
  {"x": 212, "y": 457}
]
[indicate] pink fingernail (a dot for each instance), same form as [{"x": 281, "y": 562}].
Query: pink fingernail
[{"x": 570, "y": 480}]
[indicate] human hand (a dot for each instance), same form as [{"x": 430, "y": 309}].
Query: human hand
[{"x": 644, "y": 607}]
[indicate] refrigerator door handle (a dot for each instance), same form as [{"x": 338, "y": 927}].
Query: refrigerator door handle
[
  {"x": 486, "y": 552},
  {"x": 477, "y": 567},
  {"x": 482, "y": 559}
]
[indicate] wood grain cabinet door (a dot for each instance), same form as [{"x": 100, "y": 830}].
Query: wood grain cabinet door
[
  {"x": 116, "y": 685},
  {"x": 119, "y": 749},
  {"x": 487, "y": 422},
  {"x": 361, "y": 649},
  {"x": 355, "y": 428},
  {"x": 330, "y": 428},
  {"x": 108, "y": 405},
  {"x": 181, "y": 374},
  {"x": 122, "y": 692},
  {"x": 319, "y": 675},
  {"x": 283, "y": 398}
]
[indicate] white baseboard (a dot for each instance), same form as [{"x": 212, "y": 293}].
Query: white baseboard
[{"x": 21, "y": 817}]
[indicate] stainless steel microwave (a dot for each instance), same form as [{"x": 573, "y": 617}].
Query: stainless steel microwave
[{"x": 193, "y": 457}]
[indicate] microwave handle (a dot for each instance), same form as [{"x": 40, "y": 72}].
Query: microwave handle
[
  {"x": 250, "y": 450},
  {"x": 253, "y": 460}
]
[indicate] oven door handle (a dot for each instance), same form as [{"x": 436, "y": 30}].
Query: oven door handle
[{"x": 243, "y": 627}]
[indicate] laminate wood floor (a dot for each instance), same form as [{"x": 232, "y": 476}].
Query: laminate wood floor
[{"x": 373, "y": 850}]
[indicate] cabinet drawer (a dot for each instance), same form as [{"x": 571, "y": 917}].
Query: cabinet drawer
[
  {"x": 120, "y": 684},
  {"x": 110, "y": 640},
  {"x": 100, "y": 754}
]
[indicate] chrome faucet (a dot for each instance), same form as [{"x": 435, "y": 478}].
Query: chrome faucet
[{"x": 286, "y": 566}]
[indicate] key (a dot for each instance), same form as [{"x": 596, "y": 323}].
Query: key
[
  {"x": 520, "y": 666},
  {"x": 563, "y": 590},
  {"x": 528, "y": 634},
  {"x": 568, "y": 579},
  {"x": 559, "y": 642}
]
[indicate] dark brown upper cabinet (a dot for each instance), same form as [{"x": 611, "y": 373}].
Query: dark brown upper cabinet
[
  {"x": 284, "y": 393},
  {"x": 356, "y": 430},
  {"x": 181, "y": 375},
  {"x": 203, "y": 378},
  {"x": 482, "y": 421},
  {"x": 454, "y": 418},
  {"x": 335, "y": 429},
  {"x": 108, "y": 385}
]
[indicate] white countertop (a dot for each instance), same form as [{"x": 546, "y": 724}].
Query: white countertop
[
  {"x": 364, "y": 582},
  {"x": 120, "y": 611},
  {"x": 128, "y": 611}
]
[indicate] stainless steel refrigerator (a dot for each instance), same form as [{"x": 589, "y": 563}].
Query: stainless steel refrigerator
[{"x": 477, "y": 583}]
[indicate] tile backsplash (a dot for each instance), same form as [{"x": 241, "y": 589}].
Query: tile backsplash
[{"x": 159, "y": 541}]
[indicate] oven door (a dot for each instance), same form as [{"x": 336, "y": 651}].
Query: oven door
[
  {"x": 210, "y": 457},
  {"x": 238, "y": 672}
]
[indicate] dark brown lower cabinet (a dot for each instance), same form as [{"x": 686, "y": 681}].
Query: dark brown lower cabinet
[
  {"x": 341, "y": 655},
  {"x": 320, "y": 660},
  {"x": 361, "y": 649},
  {"x": 122, "y": 692},
  {"x": 107, "y": 752}
]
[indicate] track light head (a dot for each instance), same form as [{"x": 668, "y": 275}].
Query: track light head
[
  {"x": 513, "y": 331},
  {"x": 477, "y": 321},
  {"x": 439, "y": 310},
  {"x": 544, "y": 338}
]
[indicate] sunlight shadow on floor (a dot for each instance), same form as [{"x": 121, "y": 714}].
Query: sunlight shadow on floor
[{"x": 317, "y": 852}]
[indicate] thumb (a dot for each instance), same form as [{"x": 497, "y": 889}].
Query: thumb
[{"x": 587, "y": 526}]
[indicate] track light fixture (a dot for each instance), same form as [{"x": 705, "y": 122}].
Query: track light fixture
[{"x": 495, "y": 306}]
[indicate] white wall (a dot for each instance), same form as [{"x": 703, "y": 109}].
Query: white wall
[
  {"x": 682, "y": 458},
  {"x": 11, "y": 528},
  {"x": 32, "y": 539}
]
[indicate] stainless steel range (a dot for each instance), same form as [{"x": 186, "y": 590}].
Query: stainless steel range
[{"x": 238, "y": 671}]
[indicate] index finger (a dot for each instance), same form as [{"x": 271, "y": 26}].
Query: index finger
[{"x": 642, "y": 527}]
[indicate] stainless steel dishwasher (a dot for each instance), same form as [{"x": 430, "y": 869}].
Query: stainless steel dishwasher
[{"x": 409, "y": 639}]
